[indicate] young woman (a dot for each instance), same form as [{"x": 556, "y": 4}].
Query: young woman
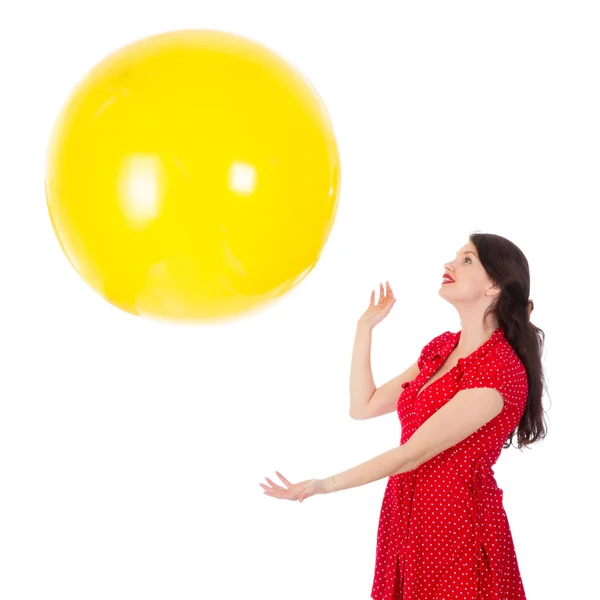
[{"x": 443, "y": 532}]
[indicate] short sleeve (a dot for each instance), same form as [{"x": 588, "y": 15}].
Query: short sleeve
[
  {"x": 432, "y": 348},
  {"x": 501, "y": 372}
]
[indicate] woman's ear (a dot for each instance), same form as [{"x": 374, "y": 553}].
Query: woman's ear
[{"x": 493, "y": 290}]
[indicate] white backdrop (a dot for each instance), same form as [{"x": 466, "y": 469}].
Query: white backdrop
[{"x": 131, "y": 451}]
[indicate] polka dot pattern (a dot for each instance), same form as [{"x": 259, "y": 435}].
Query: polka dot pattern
[{"x": 443, "y": 533}]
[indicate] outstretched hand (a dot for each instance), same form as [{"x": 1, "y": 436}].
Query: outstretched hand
[{"x": 293, "y": 491}]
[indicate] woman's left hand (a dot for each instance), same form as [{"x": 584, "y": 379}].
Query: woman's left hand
[{"x": 294, "y": 491}]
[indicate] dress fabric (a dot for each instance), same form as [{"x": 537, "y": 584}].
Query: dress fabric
[{"x": 443, "y": 533}]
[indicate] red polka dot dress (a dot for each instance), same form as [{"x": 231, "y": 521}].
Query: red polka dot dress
[{"x": 443, "y": 533}]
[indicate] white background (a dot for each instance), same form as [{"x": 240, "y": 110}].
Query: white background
[{"x": 131, "y": 451}]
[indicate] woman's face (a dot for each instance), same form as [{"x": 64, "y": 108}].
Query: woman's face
[{"x": 471, "y": 282}]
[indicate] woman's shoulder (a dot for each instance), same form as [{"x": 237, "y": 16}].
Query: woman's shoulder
[
  {"x": 506, "y": 358},
  {"x": 441, "y": 339},
  {"x": 436, "y": 346}
]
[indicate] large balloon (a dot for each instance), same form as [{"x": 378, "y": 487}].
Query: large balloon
[{"x": 193, "y": 175}]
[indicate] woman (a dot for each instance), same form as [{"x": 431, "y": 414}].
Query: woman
[{"x": 443, "y": 532}]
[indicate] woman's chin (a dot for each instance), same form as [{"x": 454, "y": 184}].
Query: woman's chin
[{"x": 443, "y": 292}]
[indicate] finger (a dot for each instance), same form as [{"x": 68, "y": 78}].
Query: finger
[
  {"x": 273, "y": 485},
  {"x": 389, "y": 287},
  {"x": 373, "y": 298},
  {"x": 381, "y": 293},
  {"x": 270, "y": 489},
  {"x": 283, "y": 479}
]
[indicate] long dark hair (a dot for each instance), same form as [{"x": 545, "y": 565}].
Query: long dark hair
[{"x": 508, "y": 268}]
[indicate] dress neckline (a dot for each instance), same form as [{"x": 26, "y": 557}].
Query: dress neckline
[{"x": 439, "y": 358}]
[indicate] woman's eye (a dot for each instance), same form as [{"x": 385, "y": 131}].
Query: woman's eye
[{"x": 467, "y": 258}]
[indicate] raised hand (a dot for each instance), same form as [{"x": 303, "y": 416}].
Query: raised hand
[{"x": 376, "y": 312}]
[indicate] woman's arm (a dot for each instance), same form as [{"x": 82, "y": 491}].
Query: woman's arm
[
  {"x": 362, "y": 385},
  {"x": 459, "y": 418},
  {"x": 395, "y": 461}
]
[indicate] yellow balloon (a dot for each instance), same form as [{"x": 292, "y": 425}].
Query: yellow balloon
[{"x": 193, "y": 175}]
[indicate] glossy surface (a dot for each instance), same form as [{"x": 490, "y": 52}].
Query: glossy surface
[{"x": 193, "y": 175}]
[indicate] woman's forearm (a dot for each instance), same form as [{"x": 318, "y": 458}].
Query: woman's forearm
[
  {"x": 362, "y": 385},
  {"x": 393, "y": 462}
]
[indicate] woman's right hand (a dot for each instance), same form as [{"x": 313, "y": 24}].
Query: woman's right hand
[{"x": 377, "y": 312}]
